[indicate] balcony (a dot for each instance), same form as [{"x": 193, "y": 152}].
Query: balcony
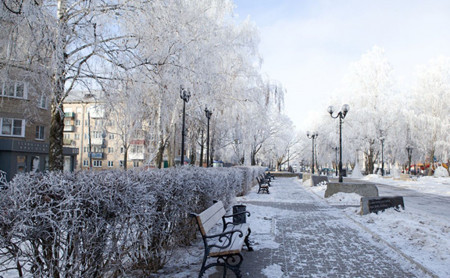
[
  {"x": 98, "y": 141},
  {"x": 136, "y": 156},
  {"x": 67, "y": 141},
  {"x": 69, "y": 115},
  {"x": 69, "y": 128},
  {"x": 97, "y": 155}
]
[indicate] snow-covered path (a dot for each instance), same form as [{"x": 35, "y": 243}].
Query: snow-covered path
[{"x": 296, "y": 233}]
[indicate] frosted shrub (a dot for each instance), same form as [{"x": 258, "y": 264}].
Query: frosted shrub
[{"x": 109, "y": 223}]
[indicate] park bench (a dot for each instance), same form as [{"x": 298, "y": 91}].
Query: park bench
[
  {"x": 269, "y": 176},
  {"x": 226, "y": 246},
  {"x": 263, "y": 184}
]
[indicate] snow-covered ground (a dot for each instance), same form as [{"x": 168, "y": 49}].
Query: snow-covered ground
[
  {"x": 420, "y": 238},
  {"x": 419, "y": 234}
]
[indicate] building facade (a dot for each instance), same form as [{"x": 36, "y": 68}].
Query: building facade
[
  {"x": 89, "y": 128},
  {"x": 25, "y": 115}
]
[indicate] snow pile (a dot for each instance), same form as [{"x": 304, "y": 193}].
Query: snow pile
[
  {"x": 273, "y": 271},
  {"x": 440, "y": 172},
  {"x": 130, "y": 220},
  {"x": 356, "y": 173}
]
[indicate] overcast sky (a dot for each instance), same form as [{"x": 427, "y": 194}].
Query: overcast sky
[{"x": 308, "y": 45}]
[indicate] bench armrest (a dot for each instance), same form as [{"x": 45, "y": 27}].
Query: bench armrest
[{"x": 225, "y": 235}]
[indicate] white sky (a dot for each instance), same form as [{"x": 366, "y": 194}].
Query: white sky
[{"x": 308, "y": 45}]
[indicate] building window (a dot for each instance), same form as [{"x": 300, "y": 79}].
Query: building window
[
  {"x": 121, "y": 149},
  {"x": 77, "y": 136},
  {"x": 85, "y": 149},
  {"x": 40, "y": 132},
  {"x": 77, "y": 122},
  {"x": 110, "y": 149},
  {"x": 86, "y": 163},
  {"x": 12, "y": 127},
  {"x": 121, "y": 163},
  {"x": 111, "y": 136},
  {"x": 97, "y": 163},
  {"x": 135, "y": 163},
  {"x": 110, "y": 163},
  {"x": 14, "y": 89},
  {"x": 43, "y": 102}
]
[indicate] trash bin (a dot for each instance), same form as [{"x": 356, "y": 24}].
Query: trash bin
[{"x": 241, "y": 218}]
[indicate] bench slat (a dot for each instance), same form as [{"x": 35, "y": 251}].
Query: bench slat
[
  {"x": 236, "y": 242},
  {"x": 210, "y": 217}
]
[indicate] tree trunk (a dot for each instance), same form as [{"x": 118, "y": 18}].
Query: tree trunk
[
  {"x": 253, "y": 158},
  {"x": 159, "y": 155},
  {"x": 56, "y": 158},
  {"x": 125, "y": 157}
]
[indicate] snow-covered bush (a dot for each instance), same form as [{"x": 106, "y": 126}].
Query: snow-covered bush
[
  {"x": 440, "y": 172},
  {"x": 109, "y": 223}
]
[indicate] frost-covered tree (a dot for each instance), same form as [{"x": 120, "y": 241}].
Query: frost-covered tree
[
  {"x": 431, "y": 109},
  {"x": 370, "y": 85}
]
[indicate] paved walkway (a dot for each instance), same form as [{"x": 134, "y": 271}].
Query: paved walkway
[{"x": 312, "y": 239}]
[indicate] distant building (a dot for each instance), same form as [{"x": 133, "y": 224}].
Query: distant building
[{"x": 88, "y": 128}]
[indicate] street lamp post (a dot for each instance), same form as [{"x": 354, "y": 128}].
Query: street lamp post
[
  {"x": 208, "y": 114},
  {"x": 184, "y": 95},
  {"x": 341, "y": 115},
  {"x": 382, "y": 155},
  {"x": 336, "y": 161},
  {"x": 409, "y": 149},
  {"x": 312, "y": 136}
]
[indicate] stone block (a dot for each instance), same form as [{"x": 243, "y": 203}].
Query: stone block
[
  {"x": 318, "y": 179},
  {"x": 363, "y": 189}
]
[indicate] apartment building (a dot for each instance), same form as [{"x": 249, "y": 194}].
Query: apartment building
[
  {"x": 25, "y": 115},
  {"x": 89, "y": 128}
]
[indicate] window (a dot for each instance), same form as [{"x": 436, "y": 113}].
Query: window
[
  {"x": 121, "y": 163},
  {"x": 97, "y": 163},
  {"x": 110, "y": 149},
  {"x": 43, "y": 101},
  {"x": 85, "y": 149},
  {"x": 110, "y": 163},
  {"x": 77, "y": 122},
  {"x": 14, "y": 89},
  {"x": 12, "y": 127},
  {"x": 121, "y": 149},
  {"x": 66, "y": 135},
  {"x": 40, "y": 132},
  {"x": 86, "y": 163},
  {"x": 77, "y": 136},
  {"x": 79, "y": 110},
  {"x": 135, "y": 163},
  {"x": 111, "y": 136}
]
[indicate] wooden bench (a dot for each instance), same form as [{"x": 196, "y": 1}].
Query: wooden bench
[
  {"x": 263, "y": 184},
  {"x": 226, "y": 246},
  {"x": 269, "y": 176}
]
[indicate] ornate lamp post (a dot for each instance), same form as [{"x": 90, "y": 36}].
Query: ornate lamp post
[
  {"x": 208, "y": 114},
  {"x": 312, "y": 136},
  {"x": 382, "y": 155},
  {"x": 341, "y": 115},
  {"x": 409, "y": 149},
  {"x": 335, "y": 150},
  {"x": 184, "y": 95}
]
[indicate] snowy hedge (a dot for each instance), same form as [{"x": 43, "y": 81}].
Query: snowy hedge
[{"x": 107, "y": 224}]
